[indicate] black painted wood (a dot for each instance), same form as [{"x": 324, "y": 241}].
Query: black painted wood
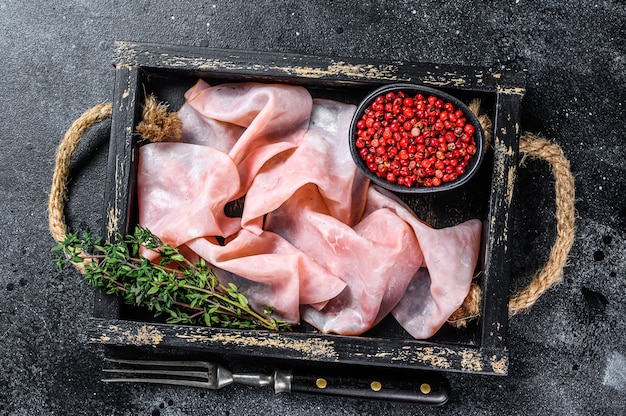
[{"x": 167, "y": 71}]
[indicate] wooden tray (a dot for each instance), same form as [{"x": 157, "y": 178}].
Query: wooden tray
[{"x": 168, "y": 71}]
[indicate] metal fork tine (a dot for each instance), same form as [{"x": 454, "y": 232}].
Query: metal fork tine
[
  {"x": 181, "y": 373},
  {"x": 189, "y": 383},
  {"x": 202, "y": 364}
]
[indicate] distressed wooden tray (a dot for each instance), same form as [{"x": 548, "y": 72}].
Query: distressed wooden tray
[{"x": 168, "y": 71}]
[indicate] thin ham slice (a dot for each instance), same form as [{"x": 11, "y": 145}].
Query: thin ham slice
[
  {"x": 441, "y": 285},
  {"x": 182, "y": 190},
  {"x": 316, "y": 241},
  {"x": 322, "y": 158},
  {"x": 380, "y": 266},
  {"x": 373, "y": 262},
  {"x": 273, "y": 118},
  {"x": 204, "y": 131},
  {"x": 276, "y": 273}
]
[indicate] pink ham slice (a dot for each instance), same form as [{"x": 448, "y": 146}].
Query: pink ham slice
[
  {"x": 270, "y": 119},
  {"x": 439, "y": 288},
  {"x": 182, "y": 190},
  {"x": 277, "y": 273},
  {"x": 373, "y": 262},
  {"x": 200, "y": 130},
  {"x": 378, "y": 266},
  {"x": 322, "y": 158}
]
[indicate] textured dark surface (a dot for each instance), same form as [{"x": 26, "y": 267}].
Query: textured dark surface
[{"x": 568, "y": 354}]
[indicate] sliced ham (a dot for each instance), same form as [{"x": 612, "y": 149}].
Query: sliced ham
[
  {"x": 373, "y": 262},
  {"x": 182, "y": 190},
  {"x": 323, "y": 159},
  {"x": 379, "y": 265},
  {"x": 273, "y": 118},
  {"x": 316, "y": 242},
  {"x": 450, "y": 256},
  {"x": 277, "y": 273},
  {"x": 204, "y": 131}
]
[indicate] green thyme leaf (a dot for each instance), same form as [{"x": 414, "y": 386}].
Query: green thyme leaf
[{"x": 185, "y": 293}]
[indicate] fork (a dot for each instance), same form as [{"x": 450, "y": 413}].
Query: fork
[{"x": 424, "y": 388}]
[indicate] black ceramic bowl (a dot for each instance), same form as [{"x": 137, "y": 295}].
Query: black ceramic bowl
[{"x": 412, "y": 90}]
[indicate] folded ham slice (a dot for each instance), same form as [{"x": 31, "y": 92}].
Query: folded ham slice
[
  {"x": 441, "y": 285},
  {"x": 254, "y": 122},
  {"x": 322, "y": 158},
  {"x": 315, "y": 240},
  {"x": 373, "y": 262},
  {"x": 277, "y": 273},
  {"x": 182, "y": 190}
]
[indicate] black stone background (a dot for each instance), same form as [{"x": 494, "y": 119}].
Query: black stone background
[{"x": 568, "y": 354}]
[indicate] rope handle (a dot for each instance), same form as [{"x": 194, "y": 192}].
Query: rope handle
[
  {"x": 67, "y": 148},
  {"x": 534, "y": 146},
  {"x": 531, "y": 145}
]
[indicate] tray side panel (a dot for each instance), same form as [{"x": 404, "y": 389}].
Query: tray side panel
[
  {"x": 311, "y": 347},
  {"x": 495, "y": 293},
  {"x": 118, "y": 195},
  {"x": 313, "y": 69}
]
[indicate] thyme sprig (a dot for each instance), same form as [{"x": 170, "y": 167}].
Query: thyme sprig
[{"x": 184, "y": 292}]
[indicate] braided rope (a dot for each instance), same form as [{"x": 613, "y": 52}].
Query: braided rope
[
  {"x": 67, "y": 148},
  {"x": 533, "y": 146}
]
